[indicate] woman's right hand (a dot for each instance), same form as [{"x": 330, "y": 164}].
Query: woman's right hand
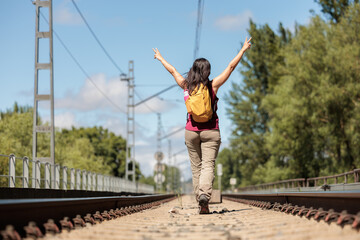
[
  {"x": 157, "y": 54},
  {"x": 247, "y": 44}
]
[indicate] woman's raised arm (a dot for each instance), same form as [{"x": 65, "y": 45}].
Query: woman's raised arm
[
  {"x": 221, "y": 79},
  {"x": 177, "y": 76}
]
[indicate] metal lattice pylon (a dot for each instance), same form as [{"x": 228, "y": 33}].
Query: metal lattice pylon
[
  {"x": 158, "y": 170},
  {"x": 130, "y": 135},
  {"x": 40, "y": 66}
]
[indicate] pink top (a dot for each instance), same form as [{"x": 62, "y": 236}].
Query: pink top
[{"x": 212, "y": 124}]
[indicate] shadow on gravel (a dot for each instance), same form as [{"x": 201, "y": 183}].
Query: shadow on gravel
[{"x": 225, "y": 210}]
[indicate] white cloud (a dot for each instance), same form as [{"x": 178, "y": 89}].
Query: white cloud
[
  {"x": 179, "y": 135},
  {"x": 146, "y": 150},
  {"x": 62, "y": 120},
  {"x": 90, "y": 98},
  {"x": 155, "y": 105},
  {"x": 146, "y": 146},
  {"x": 65, "y": 120},
  {"x": 116, "y": 125},
  {"x": 64, "y": 16},
  {"x": 90, "y": 107},
  {"x": 233, "y": 22}
]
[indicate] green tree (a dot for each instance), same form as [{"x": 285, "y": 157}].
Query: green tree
[
  {"x": 335, "y": 9},
  {"x": 95, "y": 149},
  {"x": 249, "y": 117},
  {"x": 106, "y": 145},
  {"x": 314, "y": 108},
  {"x": 296, "y": 113},
  {"x": 230, "y": 168},
  {"x": 78, "y": 152},
  {"x": 147, "y": 180}
]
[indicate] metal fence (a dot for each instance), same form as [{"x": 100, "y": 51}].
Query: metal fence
[
  {"x": 347, "y": 178},
  {"x": 53, "y": 176}
]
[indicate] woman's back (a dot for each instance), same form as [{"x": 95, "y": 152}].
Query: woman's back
[
  {"x": 213, "y": 123},
  {"x": 203, "y": 139}
]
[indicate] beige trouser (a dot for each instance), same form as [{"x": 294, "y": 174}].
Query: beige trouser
[{"x": 203, "y": 147}]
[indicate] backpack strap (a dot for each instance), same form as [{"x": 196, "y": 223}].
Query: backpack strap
[{"x": 211, "y": 91}]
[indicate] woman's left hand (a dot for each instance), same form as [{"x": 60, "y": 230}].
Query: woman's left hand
[
  {"x": 247, "y": 44},
  {"x": 157, "y": 54}
]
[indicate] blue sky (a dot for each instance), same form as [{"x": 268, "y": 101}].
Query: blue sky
[{"x": 129, "y": 30}]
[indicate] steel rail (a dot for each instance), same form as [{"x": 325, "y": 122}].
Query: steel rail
[
  {"x": 19, "y": 212},
  {"x": 338, "y": 201},
  {"x": 342, "y": 207}
]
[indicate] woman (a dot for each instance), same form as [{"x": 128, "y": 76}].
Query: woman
[{"x": 203, "y": 139}]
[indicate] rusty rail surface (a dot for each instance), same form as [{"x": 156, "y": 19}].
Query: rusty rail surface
[
  {"x": 340, "y": 207},
  {"x": 32, "y": 218}
]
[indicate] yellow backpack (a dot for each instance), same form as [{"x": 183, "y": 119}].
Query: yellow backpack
[{"x": 199, "y": 104}]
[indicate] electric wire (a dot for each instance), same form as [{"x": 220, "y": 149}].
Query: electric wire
[
  {"x": 164, "y": 90},
  {"x": 96, "y": 38},
  {"x": 81, "y": 67},
  {"x": 171, "y": 100},
  {"x": 198, "y": 27},
  {"x": 86, "y": 74},
  {"x": 172, "y": 133},
  {"x": 152, "y": 85},
  {"x": 106, "y": 52},
  {"x": 140, "y": 98}
]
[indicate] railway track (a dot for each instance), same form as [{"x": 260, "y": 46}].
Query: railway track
[
  {"x": 230, "y": 220},
  {"x": 51, "y": 216},
  {"x": 33, "y": 218},
  {"x": 340, "y": 207}
]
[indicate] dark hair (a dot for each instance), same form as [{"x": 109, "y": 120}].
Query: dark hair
[{"x": 199, "y": 73}]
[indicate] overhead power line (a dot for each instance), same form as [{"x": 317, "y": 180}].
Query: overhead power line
[
  {"x": 172, "y": 133},
  {"x": 96, "y": 38},
  {"x": 141, "y": 100},
  {"x": 198, "y": 27},
  {"x": 112, "y": 60},
  {"x": 86, "y": 74},
  {"x": 81, "y": 68},
  {"x": 166, "y": 89}
]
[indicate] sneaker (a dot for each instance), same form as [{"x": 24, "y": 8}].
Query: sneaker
[{"x": 203, "y": 205}]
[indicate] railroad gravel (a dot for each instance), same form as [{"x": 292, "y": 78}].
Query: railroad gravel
[{"x": 179, "y": 219}]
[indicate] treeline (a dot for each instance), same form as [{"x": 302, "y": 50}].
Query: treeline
[
  {"x": 95, "y": 149},
  {"x": 297, "y": 111}
]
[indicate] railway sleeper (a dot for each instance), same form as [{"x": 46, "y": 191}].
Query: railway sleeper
[
  {"x": 66, "y": 224},
  {"x": 89, "y": 219},
  {"x": 106, "y": 215},
  {"x": 32, "y": 231},
  {"x": 51, "y": 227},
  {"x": 321, "y": 214},
  {"x": 356, "y": 223},
  {"x": 329, "y": 216},
  {"x": 10, "y": 233},
  {"x": 297, "y": 209},
  {"x": 113, "y": 214},
  {"x": 98, "y": 218},
  {"x": 332, "y": 216},
  {"x": 79, "y": 222},
  {"x": 289, "y": 208}
]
